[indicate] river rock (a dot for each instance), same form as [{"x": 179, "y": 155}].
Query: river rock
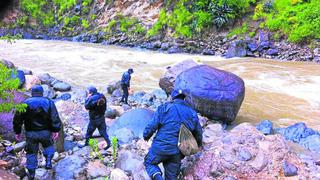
[
  {"x": 31, "y": 80},
  {"x": 272, "y": 52},
  {"x": 297, "y": 131},
  {"x": 8, "y": 64},
  {"x": 289, "y": 169},
  {"x": 26, "y": 71},
  {"x": 167, "y": 80},
  {"x": 159, "y": 94},
  {"x": 133, "y": 164},
  {"x": 62, "y": 86},
  {"x": 68, "y": 167},
  {"x": 124, "y": 135},
  {"x": 46, "y": 78},
  {"x": 209, "y": 52},
  {"x": 111, "y": 113},
  {"x": 113, "y": 86},
  {"x": 266, "y": 127},
  {"x": 42, "y": 173},
  {"x": 214, "y": 93},
  {"x": 174, "y": 49},
  {"x": 312, "y": 143},
  {"x": 264, "y": 40},
  {"x": 118, "y": 174},
  {"x": 48, "y": 92},
  {"x": 135, "y": 120},
  {"x": 97, "y": 170},
  {"x": 237, "y": 49},
  {"x": 252, "y": 46}
]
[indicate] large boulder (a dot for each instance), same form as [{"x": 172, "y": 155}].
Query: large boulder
[
  {"x": 237, "y": 49},
  {"x": 214, "y": 93},
  {"x": 31, "y": 80},
  {"x": 167, "y": 80},
  {"x": 135, "y": 120}
]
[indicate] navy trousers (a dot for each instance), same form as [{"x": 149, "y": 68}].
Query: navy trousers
[
  {"x": 171, "y": 164},
  {"x": 102, "y": 128},
  {"x": 125, "y": 93},
  {"x": 33, "y": 139}
]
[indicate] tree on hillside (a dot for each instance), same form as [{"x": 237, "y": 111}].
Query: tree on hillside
[{"x": 8, "y": 86}]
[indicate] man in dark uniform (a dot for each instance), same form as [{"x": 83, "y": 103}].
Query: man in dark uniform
[
  {"x": 125, "y": 85},
  {"x": 166, "y": 122},
  {"x": 42, "y": 123},
  {"x": 96, "y": 103}
]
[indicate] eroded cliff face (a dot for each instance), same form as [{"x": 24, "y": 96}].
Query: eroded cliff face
[
  {"x": 144, "y": 10},
  {"x": 8, "y": 10}
]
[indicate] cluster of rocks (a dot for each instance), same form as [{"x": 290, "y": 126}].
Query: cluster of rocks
[
  {"x": 245, "y": 152},
  {"x": 264, "y": 46}
]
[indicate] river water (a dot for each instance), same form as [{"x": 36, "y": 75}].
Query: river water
[{"x": 283, "y": 92}]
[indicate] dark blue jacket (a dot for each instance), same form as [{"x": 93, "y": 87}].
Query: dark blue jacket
[
  {"x": 97, "y": 105},
  {"x": 126, "y": 77},
  {"x": 167, "y": 121},
  {"x": 41, "y": 114}
]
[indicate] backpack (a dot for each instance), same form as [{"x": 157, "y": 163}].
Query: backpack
[{"x": 187, "y": 144}]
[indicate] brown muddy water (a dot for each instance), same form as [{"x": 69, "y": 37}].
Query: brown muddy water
[{"x": 283, "y": 92}]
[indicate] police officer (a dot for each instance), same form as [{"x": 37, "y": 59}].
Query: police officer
[
  {"x": 42, "y": 124},
  {"x": 96, "y": 103},
  {"x": 166, "y": 122},
  {"x": 125, "y": 85}
]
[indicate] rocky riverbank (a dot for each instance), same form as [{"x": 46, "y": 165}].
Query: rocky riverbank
[
  {"x": 242, "y": 152},
  {"x": 260, "y": 46}
]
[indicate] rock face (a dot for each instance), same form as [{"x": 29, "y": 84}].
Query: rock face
[
  {"x": 214, "y": 93},
  {"x": 246, "y": 153},
  {"x": 167, "y": 80},
  {"x": 97, "y": 170},
  {"x": 136, "y": 120},
  {"x": 237, "y": 49}
]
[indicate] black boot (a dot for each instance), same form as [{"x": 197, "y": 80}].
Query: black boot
[
  {"x": 31, "y": 174},
  {"x": 49, "y": 161}
]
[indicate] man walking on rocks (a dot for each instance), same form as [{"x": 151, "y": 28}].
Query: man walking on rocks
[
  {"x": 125, "y": 85},
  {"x": 42, "y": 124},
  {"x": 96, "y": 103},
  {"x": 166, "y": 122}
]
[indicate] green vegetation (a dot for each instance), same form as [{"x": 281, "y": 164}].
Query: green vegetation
[
  {"x": 298, "y": 19},
  {"x": 85, "y": 24},
  {"x": 7, "y": 87},
  {"x": 187, "y": 19},
  {"x": 93, "y": 143},
  {"x": 114, "y": 143},
  {"x": 21, "y": 21},
  {"x": 64, "y": 4},
  {"x": 11, "y": 39},
  {"x": 240, "y": 31}
]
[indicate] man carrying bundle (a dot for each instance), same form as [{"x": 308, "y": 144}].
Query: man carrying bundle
[{"x": 168, "y": 121}]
